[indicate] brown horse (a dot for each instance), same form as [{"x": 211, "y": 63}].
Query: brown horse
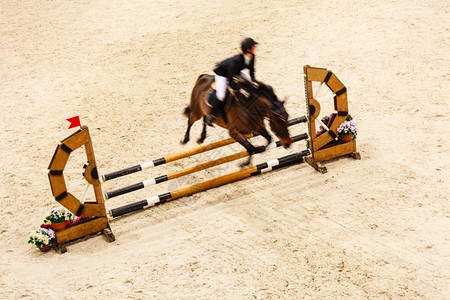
[{"x": 241, "y": 116}]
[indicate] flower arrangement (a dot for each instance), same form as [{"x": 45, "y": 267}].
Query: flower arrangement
[
  {"x": 348, "y": 128},
  {"x": 58, "y": 216},
  {"x": 45, "y": 237},
  {"x": 42, "y": 237}
]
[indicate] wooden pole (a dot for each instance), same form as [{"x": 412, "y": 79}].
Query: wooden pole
[
  {"x": 216, "y": 182},
  {"x": 190, "y": 170}
]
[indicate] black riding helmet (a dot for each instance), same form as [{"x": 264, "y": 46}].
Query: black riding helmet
[{"x": 247, "y": 44}]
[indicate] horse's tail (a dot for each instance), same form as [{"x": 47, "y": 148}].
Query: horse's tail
[{"x": 187, "y": 111}]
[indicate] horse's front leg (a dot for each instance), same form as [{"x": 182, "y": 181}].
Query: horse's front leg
[
  {"x": 266, "y": 135},
  {"x": 241, "y": 139}
]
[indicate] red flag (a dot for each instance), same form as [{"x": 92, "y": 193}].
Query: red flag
[{"x": 74, "y": 122}]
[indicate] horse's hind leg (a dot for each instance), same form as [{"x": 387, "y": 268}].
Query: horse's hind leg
[
  {"x": 186, "y": 135},
  {"x": 192, "y": 118},
  {"x": 203, "y": 134}
]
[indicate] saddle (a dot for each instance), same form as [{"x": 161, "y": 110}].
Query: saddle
[
  {"x": 224, "y": 106},
  {"x": 230, "y": 93}
]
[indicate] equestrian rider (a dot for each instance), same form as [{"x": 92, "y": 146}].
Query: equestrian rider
[{"x": 227, "y": 69}]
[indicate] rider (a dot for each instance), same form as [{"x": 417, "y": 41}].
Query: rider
[{"x": 227, "y": 69}]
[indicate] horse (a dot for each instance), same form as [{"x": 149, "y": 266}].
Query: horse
[{"x": 241, "y": 116}]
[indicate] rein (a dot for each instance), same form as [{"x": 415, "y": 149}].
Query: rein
[{"x": 245, "y": 112}]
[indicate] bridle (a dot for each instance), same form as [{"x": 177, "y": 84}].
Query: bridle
[{"x": 276, "y": 112}]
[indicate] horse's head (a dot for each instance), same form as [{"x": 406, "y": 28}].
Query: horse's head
[{"x": 278, "y": 118}]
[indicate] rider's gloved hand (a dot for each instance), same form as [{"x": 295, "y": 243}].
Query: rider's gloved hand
[{"x": 244, "y": 92}]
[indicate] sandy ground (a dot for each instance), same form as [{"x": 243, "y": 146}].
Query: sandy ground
[{"x": 375, "y": 228}]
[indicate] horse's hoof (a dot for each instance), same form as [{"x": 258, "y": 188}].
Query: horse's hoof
[
  {"x": 244, "y": 165},
  {"x": 185, "y": 141},
  {"x": 260, "y": 149},
  {"x": 200, "y": 141}
]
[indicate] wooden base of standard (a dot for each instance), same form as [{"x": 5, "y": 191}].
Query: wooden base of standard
[
  {"x": 316, "y": 165},
  {"x": 330, "y": 152},
  {"x": 83, "y": 230}
]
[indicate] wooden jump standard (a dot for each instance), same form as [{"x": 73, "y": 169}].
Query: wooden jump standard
[
  {"x": 184, "y": 154},
  {"x": 96, "y": 211},
  {"x": 326, "y": 146},
  {"x": 193, "y": 169},
  {"x": 209, "y": 184}
]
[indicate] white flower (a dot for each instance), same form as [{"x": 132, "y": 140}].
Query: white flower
[{"x": 348, "y": 127}]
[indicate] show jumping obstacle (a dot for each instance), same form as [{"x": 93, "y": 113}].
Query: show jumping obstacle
[{"x": 323, "y": 147}]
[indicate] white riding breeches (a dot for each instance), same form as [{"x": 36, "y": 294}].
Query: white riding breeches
[
  {"x": 221, "y": 87},
  {"x": 222, "y": 83}
]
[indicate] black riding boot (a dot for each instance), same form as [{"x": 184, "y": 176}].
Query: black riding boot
[{"x": 215, "y": 103}]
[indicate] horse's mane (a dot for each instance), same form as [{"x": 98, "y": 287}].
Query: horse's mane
[
  {"x": 263, "y": 88},
  {"x": 268, "y": 93},
  {"x": 277, "y": 105},
  {"x": 267, "y": 90}
]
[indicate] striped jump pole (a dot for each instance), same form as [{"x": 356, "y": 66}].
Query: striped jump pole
[
  {"x": 180, "y": 155},
  {"x": 209, "y": 184},
  {"x": 193, "y": 169}
]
